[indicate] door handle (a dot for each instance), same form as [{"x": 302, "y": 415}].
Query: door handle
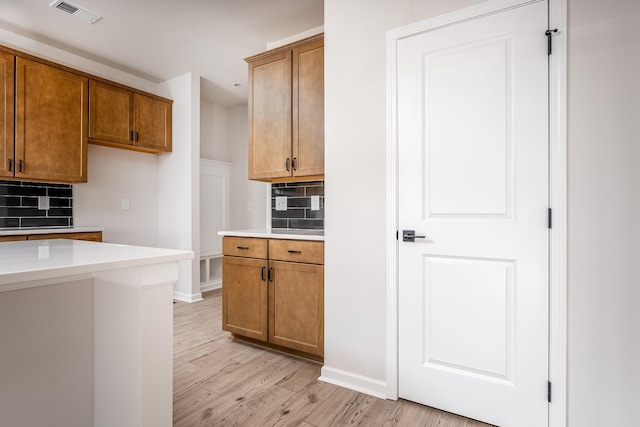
[
  {"x": 262, "y": 274},
  {"x": 410, "y": 236}
]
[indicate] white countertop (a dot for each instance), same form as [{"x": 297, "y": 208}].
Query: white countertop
[
  {"x": 21, "y": 231},
  {"x": 31, "y": 260},
  {"x": 277, "y": 233}
]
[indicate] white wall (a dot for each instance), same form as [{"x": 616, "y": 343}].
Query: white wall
[
  {"x": 355, "y": 144},
  {"x": 604, "y": 210},
  {"x": 604, "y": 181},
  {"x": 248, "y": 198},
  {"x": 214, "y": 134},
  {"x": 179, "y": 183},
  {"x": 113, "y": 175}
]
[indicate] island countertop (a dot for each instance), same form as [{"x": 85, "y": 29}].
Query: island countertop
[
  {"x": 32, "y": 260},
  {"x": 277, "y": 233}
]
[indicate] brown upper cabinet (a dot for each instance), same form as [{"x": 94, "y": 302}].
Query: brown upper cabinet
[
  {"x": 51, "y": 109},
  {"x": 126, "y": 119},
  {"x": 286, "y": 112}
]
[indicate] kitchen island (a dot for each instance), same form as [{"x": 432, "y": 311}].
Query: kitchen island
[{"x": 86, "y": 333}]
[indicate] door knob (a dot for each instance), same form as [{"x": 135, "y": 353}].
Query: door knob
[{"x": 410, "y": 236}]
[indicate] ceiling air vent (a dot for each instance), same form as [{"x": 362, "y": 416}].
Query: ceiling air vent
[{"x": 76, "y": 11}]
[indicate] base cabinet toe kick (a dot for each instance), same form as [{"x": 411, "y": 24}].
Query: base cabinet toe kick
[{"x": 273, "y": 293}]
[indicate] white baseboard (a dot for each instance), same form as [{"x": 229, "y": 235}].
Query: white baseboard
[
  {"x": 180, "y": 296},
  {"x": 210, "y": 286},
  {"x": 353, "y": 381}
]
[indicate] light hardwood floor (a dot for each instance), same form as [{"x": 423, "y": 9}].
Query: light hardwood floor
[{"x": 220, "y": 382}]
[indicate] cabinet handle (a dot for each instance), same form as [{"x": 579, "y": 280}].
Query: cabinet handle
[
  {"x": 270, "y": 274},
  {"x": 10, "y": 165},
  {"x": 293, "y": 164},
  {"x": 136, "y": 137},
  {"x": 294, "y": 252},
  {"x": 262, "y": 273},
  {"x": 130, "y": 135},
  {"x": 244, "y": 248},
  {"x": 287, "y": 164},
  {"x": 20, "y": 166}
]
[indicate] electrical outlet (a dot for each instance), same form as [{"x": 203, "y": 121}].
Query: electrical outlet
[
  {"x": 315, "y": 203},
  {"x": 126, "y": 204},
  {"x": 43, "y": 203},
  {"x": 281, "y": 203}
]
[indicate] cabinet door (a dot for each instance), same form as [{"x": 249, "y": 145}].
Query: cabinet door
[
  {"x": 110, "y": 113},
  {"x": 6, "y": 113},
  {"x": 152, "y": 123},
  {"x": 296, "y": 306},
  {"x": 308, "y": 109},
  {"x": 51, "y": 126},
  {"x": 244, "y": 297},
  {"x": 270, "y": 117}
]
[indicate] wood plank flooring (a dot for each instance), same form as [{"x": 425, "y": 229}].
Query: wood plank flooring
[{"x": 220, "y": 382}]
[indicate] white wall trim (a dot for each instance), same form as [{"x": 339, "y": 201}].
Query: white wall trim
[
  {"x": 181, "y": 296},
  {"x": 295, "y": 37},
  {"x": 558, "y": 194},
  {"x": 558, "y": 303},
  {"x": 353, "y": 381},
  {"x": 210, "y": 286}
]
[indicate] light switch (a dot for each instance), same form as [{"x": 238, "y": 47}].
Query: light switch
[
  {"x": 126, "y": 205},
  {"x": 281, "y": 203},
  {"x": 315, "y": 203}
]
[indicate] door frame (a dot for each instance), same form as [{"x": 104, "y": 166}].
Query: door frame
[{"x": 557, "y": 193}]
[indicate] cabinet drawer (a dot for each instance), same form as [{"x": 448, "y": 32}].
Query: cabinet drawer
[
  {"x": 296, "y": 251},
  {"x": 244, "y": 247},
  {"x": 90, "y": 236}
]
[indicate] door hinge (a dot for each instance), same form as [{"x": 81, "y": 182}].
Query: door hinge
[
  {"x": 549, "y": 391},
  {"x": 549, "y": 218},
  {"x": 549, "y": 33}
]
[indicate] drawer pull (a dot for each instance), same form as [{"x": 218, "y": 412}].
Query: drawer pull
[
  {"x": 244, "y": 248},
  {"x": 270, "y": 274},
  {"x": 262, "y": 273},
  {"x": 294, "y": 252}
]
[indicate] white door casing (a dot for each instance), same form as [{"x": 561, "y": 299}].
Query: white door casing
[{"x": 472, "y": 115}]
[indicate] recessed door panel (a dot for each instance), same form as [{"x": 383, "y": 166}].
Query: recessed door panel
[{"x": 467, "y": 97}]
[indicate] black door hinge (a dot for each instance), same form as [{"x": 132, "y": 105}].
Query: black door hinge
[
  {"x": 549, "y": 391},
  {"x": 549, "y": 218},
  {"x": 549, "y": 33}
]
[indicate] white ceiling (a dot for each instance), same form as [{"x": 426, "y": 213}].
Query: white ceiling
[{"x": 162, "y": 39}]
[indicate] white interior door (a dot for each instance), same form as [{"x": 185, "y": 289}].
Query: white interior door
[{"x": 473, "y": 178}]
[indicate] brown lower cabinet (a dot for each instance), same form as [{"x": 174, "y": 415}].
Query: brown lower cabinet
[
  {"x": 90, "y": 236},
  {"x": 273, "y": 292}
]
